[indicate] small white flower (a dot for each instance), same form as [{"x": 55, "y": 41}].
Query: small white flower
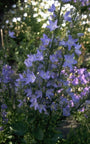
[
  {"x": 44, "y": 25},
  {"x": 18, "y": 19},
  {"x": 21, "y": 8},
  {"x": 25, "y": 14},
  {"x": 83, "y": 22},
  {"x": 14, "y": 20},
  {"x": 7, "y": 21},
  {"x": 35, "y": 9},
  {"x": 63, "y": 25},
  {"x": 38, "y": 19},
  {"x": 25, "y": 0},
  {"x": 88, "y": 29},
  {"x": 42, "y": 4},
  {"x": 26, "y": 6},
  {"x": 35, "y": 15},
  {"x": 14, "y": 6},
  {"x": 33, "y": 3},
  {"x": 84, "y": 16}
]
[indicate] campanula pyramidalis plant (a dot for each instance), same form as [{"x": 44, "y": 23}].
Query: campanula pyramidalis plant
[
  {"x": 51, "y": 85},
  {"x": 43, "y": 77}
]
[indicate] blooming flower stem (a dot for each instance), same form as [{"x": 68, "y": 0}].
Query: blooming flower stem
[{"x": 51, "y": 47}]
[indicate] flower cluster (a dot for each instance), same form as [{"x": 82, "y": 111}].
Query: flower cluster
[
  {"x": 78, "y": 82},
  {"x": 47, "y": 82},
  {"x": 6, "y": 74}
]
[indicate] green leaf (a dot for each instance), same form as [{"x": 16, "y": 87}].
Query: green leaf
[
  {"x": 19, "y": 128},
  {"x": 38, "y": 134}
]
